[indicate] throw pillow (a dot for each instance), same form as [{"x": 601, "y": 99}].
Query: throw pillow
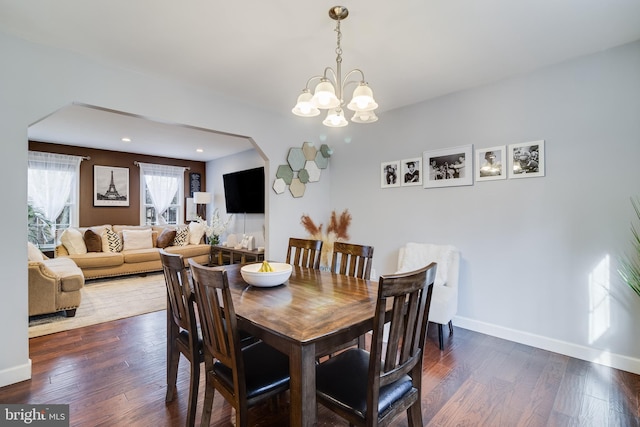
[
  {"x": 166, "y": 238},
  {"x": 73, "y": 241},
  {"x": 137, "y": 239},
  {"x": 110, "y": 241},
  {"x": 196, "y": 231},
  {"x": 33, "y": 253},
  {"x": 93, "y": 241},
  {"x": 182, "y": 237}
]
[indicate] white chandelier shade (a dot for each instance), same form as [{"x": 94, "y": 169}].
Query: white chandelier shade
[
  {"x": 324, "y": 97},
  {"x": 328, "y": 93},
  {"x": 364, "y": 117},
  {"x": 335, "y": 118},
  {"x": 305, "y": 107},
  {"x": 362, "y": 99}
]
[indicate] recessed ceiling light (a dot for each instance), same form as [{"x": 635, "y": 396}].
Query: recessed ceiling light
[
  {"x": 199, "y": 150},
  {"x": 125, "y": 139}
]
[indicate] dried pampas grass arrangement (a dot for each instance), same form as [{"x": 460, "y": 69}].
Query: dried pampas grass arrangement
[{"x": 337, "y": 231}]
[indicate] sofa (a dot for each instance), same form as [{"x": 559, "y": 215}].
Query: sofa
[
  {"x": 116, "y": 250},
  {"x": 54, "y": 284}
]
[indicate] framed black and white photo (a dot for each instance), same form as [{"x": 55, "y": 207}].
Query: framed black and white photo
[
  {"x": 448, "y": 167},
  {"x": 411, "y": 172},
  {"x": 389, "y": 172},
  {"x": 526, "y": 160},
  {"x": 110, "y": 186},
  {"x": 491, "y": 163},
  {"x": 194, "y": 183}
]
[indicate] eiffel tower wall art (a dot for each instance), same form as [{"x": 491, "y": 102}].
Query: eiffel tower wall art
[{"x": 110, "y": 186}]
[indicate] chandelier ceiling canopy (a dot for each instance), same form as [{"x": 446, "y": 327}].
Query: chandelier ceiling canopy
[{"x": 328, "y": 92}]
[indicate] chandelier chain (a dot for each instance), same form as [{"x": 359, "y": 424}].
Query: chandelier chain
[{"x": 339, "y": 39}]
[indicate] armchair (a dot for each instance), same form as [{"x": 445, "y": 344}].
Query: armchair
[
  {"x": 54, "y": 285},
  {"x": 444, "y": 302}
]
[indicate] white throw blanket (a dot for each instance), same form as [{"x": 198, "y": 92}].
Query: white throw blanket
[{"x": 418, "y": 255}]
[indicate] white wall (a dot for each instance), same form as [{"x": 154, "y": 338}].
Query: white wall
[
  {"x": 539, "y": 254},
  {"x": 36, "y": 80}
]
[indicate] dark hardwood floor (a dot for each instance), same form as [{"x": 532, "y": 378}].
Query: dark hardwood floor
[{"x": 114, "y": 374}]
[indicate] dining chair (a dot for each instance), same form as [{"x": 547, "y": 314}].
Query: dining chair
[
  {"x": 445, "y": 290},
  {"x": 244, "y": 376},
  {"x": 352, "y": 260},
  {"x": 304, "y": 252},
  {"x": 372, "y": 389},
  {"x": 182, "y": 330}
]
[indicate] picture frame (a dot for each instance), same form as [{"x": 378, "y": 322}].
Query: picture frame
[
  {"x": 110, "y": 186},
  {"x": 195, "y": 183},
  {"x": 411, "y": 172},
  {"x": 448, "y": 167},
  {"x": 389, "y": 174},
  {"x": 191, "y": 209},
  {"x": 491, "y": 163},
  {"x": 526, "y": 160}
]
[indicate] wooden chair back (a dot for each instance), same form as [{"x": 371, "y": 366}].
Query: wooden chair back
[
  {"x": 410, "y": 294},
  {"x": 218, "y": 324},
  {"x": 352, "y": 260},
  {"x": 178, "y": 291},
  {"x": 387, "y": 381},
  {"x": 226, "y": 360},
  {"x": 304, "y": 252}
]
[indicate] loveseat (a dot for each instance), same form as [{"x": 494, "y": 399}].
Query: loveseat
[
  {"x": 54, "y": 284},
  {"x": 116, "y": 250}
]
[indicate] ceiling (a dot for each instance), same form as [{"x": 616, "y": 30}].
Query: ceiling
[{"x": 263, "y": 52}]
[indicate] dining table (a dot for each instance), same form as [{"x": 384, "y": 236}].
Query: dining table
[{"x": 304, "y": 318}]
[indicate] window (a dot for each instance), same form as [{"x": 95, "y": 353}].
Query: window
[
  {"x": 52, "y": 194},
  {"x": 161, "y": 193}
]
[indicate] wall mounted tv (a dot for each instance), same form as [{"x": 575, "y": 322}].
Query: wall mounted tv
[{"x": 244, "y": 191}]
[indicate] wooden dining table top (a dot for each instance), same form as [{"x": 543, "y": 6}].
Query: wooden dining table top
[
  {"x": 305, "y": 317},
  {"x": 309, "y": 306}
]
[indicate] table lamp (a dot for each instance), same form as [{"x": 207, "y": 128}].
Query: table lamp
[{"x": 202, "y": 198}]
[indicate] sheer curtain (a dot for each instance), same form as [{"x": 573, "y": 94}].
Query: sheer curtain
[
  {"x": 51, "y": 178},
  {"x": 163, "y": 183}
]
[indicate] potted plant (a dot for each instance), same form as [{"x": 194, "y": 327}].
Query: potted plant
[
  {"x": 630, "y": 264},
  {"x": 39, "y": 225}
]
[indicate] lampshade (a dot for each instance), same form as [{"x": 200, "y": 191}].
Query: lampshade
[
  {"x": 335, "y": 118},
  {"x": 362, "y": 99},
  {"x": 202, "y": 198},
  {"x": 324, "y": 96},
  {"x": 364, "y": 117},
  {"x": 304, "y": 107}
]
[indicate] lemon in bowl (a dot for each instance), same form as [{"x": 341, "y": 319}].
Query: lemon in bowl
[{"x": 266, "y": 274}]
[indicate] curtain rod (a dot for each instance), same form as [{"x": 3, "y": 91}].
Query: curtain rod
[
  {"x": 137, "y": 163},
  {"x": 86, "y": 157}
]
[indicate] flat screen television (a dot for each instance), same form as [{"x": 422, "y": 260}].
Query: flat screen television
[{"x": 244, "y": 191}]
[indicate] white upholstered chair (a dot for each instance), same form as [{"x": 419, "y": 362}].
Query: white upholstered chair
[{"x": 444, "y": 302}]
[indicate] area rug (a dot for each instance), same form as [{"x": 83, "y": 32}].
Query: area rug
[{"x": 104, "y": 300}]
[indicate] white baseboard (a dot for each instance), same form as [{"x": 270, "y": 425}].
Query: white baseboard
[
  {"x": 15, "y": 374},
  {"x": 602, "y": 357}
]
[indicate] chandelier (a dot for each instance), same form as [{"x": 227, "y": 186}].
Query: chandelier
[{"x": 328, "y": 93}]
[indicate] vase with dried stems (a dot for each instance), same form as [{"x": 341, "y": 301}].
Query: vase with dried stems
[
  {"x": 336, "y": 232},
  {"x": 630, "y": 264}
]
